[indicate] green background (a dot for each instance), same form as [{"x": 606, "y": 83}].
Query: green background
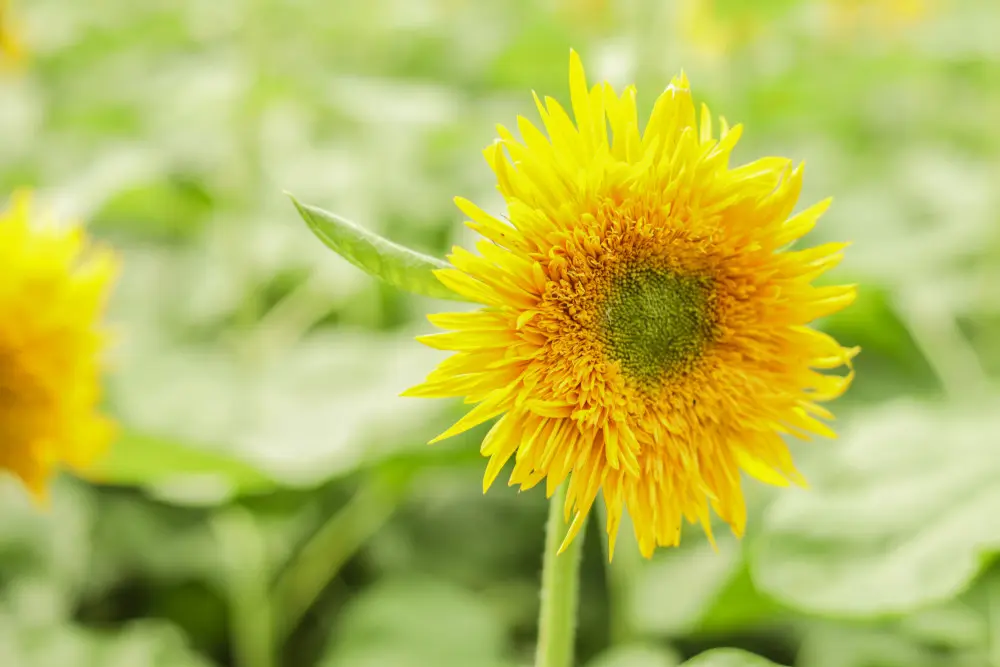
[{"x": 272, "y": 501}]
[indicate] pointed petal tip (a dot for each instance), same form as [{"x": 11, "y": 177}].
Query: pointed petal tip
[
  {"x": 612, "y": 541},
  {"x": 444, "y": 436},
  {"x": 575, "y": 62},
  {"x": 426, "y": 339},
  {"x": 680, "y": 82}
]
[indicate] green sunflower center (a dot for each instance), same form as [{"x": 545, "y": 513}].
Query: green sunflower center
[{"x": 655, "y": 322}]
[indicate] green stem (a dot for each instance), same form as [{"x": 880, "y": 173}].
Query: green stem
[
  {"x": 947, "y": 350},
  {"x": 993, "y": 620},
  {"x": 560, "y": 590},
  {"x": 620, "y": 574},
  {"x": 245, "y": 576},
  {"x": 320, "y": 559}
]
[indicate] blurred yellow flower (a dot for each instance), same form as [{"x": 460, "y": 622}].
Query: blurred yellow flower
[
  {"x": 643, "y": 328},
  {"x": 53, "y": 287},
  {"x": 714, "y": 35},
  {"x": 10, "y": 47},
  {"x": 848, "y": 15}
]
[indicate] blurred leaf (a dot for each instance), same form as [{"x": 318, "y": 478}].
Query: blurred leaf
[
  {"x": 324, "y": 407},
  {"x": 124, "y": 529},
  {"x": 902, "y": 517},
  {"x": 679, "y": 587},
  {"x": 535, "y": 56},
  {"x": 422, "y": 622},
  {"x": 176, "y": 469},
  {"x": 872, "y": 322},
  {"x": 46, "y": 551},
  {"x": 740, "y": 605},
  {"x": 891, "y": 362},
  {"x": 728, "y": 657},
  {"x": 170, "y": 209},
  {"x": 860, "y": 646},
  {"x": 954, "y": 624},
  {"x": 395, "y": 264},
  {"x": 139, "y": 644},
  {"x": 637, "y": 656}
]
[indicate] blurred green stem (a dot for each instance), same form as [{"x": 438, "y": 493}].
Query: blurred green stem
[
  {"x": 248, "y": 170},
  {"x": 560, "y": 590},
  {"x": 290, "y": 319},
  {"x": 245, "y": 578},
  {"x": 947, "y": 350},
  {"x": 993, "y": 620},
  {"x": 620, "y": 574},
  {"x": 322, "y": 557}
]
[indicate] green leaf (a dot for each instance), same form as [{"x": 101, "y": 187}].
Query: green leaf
[
  {"x": 144, "y": 643},
  {"x": 172, "y": 468},
  {"x": 334, "y": 394},
  {"x": 637, "y": 655},
  {"x": 397, "y": 265},
  {"x": 709, "y": 590},
  {"x": 739, "y": 605},
  {"x": 851, "y": 645},
  {"x": 416, "y": 621},
  {"x": 902, "y": 517},
  {"x": 691, "y": 578},
  {"x": 728, "y": 657}
]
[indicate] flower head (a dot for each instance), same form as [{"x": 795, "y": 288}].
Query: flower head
[
  {"x": 52, "y": 291},
  {"x": 643, "y": 328},
  {"x": 845, "y": 18},
  {"x": 10, "y": 47},
  {"x": 713, "y": 34}
]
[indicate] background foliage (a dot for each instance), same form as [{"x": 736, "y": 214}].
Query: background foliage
[{"x": 272, "y": 502}]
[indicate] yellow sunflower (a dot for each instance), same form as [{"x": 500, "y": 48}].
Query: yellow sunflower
[
  {"x": 643, "y": 328},
  {"x": 712, "y": 34},
  {"x": 10, "y": 47},
  {"x": 52, "y": 292},
  {"x": 891, "y": 15}
]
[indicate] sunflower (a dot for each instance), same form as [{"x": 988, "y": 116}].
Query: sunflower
[
  {"x": 52, "y": 291},
  {"x": 846, "y": 17},
  {"x": 713, "y": 34},
  {"x": 643, "y": 329},
  {"x": 886, "y": 14},
  {"x": 10, "y": 47}
]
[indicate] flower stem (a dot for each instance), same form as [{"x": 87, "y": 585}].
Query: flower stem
[
  {"x": 243, "y": 555},
  {"x": 993, "y": 621},
  {"x": 560, "y": 590},
  {"x": 312, "y": 569}
]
